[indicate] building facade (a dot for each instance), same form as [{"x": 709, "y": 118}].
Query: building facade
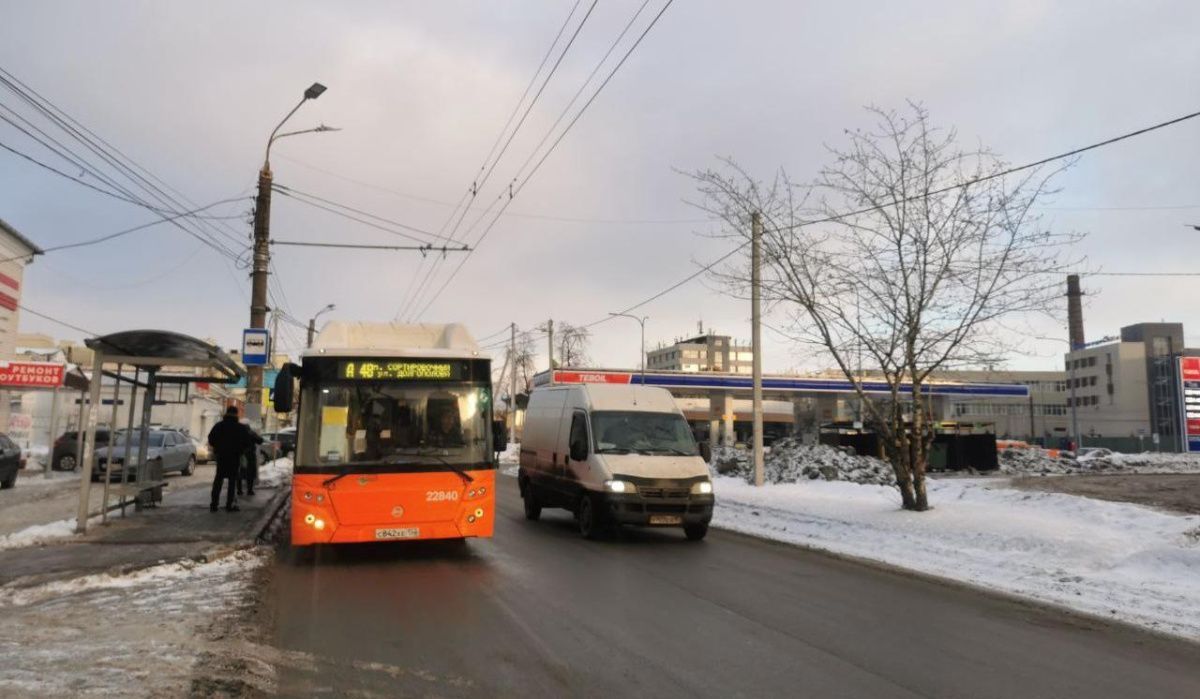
[
  {"x": 708, "y": 352},
  {"x": 16, "y": 251}
]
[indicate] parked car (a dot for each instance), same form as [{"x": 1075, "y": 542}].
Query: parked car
[
  {"x": 63, "y": 456},
  {"x": 203, "y": 451},
  {"x": 170, "y": 448},
  {"x": 10, "y": 462}
]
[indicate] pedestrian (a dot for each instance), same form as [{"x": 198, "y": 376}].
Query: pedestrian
[
  {"x": 229, "y": 440},
  {"x": 249, "y": 472}
]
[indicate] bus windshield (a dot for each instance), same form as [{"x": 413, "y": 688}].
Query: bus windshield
[
  {"x": 623, "y": 432},
  {"x": 380, "y": 421}
]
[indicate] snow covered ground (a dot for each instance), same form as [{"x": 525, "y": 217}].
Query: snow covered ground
[
  {"x": 1111, "y": 559},
  {"x": 510, "y": 459},
  {"x": 135, "y": 635}
]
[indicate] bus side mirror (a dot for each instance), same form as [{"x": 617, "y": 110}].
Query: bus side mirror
[
  {"x": 284, "y": 390},
  {"x": 499, "y": 436}
]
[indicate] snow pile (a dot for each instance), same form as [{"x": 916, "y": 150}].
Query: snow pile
[
  {"x": 275, "y": 473},
  {"x": 1035, "y": 461},
  {"x": 791, "y": 461},
  {"x": 38, "y": 534},
  {"x": 1040, "y": 462},
  {"x": 1111, "y": 559}
]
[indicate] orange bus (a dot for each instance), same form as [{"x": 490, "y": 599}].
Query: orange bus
[{"x": 395, "y": 438}]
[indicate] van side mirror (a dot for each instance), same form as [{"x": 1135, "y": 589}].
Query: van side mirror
[
  {"x": 499, "y": 436},
  {"x": 284, "y": 389},
  {"x": 706, "y": 451}
]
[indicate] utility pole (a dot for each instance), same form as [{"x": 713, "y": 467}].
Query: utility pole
[
  {"x": 262, "y": 252},
  {"x": 756, "y": 340},
  {"x": 550, "y": 337},
  {"x": 258, "y": 290},
  {"x": 512, "y": 386}
]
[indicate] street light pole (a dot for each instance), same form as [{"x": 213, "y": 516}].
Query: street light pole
[
  {"x": 641, "y": 320},
  {"x": 312, "y": 324},
  {"x": 262, "y": 252}
]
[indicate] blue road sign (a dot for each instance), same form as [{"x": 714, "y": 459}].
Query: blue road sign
[{"x": 254, "y": 347}]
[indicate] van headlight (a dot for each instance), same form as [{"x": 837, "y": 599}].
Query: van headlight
[
  {"x": 615, "y": 486},
  {"x": 702, "y": 488}
]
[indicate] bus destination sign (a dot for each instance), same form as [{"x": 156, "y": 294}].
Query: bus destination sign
[{"x": 372, "y": 370}]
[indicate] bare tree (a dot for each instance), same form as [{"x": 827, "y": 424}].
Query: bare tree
[
  {"x": 573, "y": 342},
  {"x": 906, "y": 251}
]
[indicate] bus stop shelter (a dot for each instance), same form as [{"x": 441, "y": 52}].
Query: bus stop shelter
[{"x": 154, "y": 362}]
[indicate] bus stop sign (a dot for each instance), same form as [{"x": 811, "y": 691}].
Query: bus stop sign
[{"x": 254, "y": 347}]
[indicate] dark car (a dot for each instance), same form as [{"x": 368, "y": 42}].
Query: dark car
[
  {"x": 10, "y": 462},
  {"x": 63, "y": 456},
  {"x": 277, "y": 444}
]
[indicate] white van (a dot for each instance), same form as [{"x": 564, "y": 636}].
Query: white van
[{"x": 613, "y": 454}]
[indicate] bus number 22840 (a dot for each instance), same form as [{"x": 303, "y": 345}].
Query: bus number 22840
[{"x": 440, "y": 495}]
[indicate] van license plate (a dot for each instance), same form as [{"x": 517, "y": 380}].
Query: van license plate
[
  {"x": 405, "y": 533},
  {"x": 666, "y": 519}
]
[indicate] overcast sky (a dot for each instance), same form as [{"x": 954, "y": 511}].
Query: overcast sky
[{"x": 422, "y": 89}]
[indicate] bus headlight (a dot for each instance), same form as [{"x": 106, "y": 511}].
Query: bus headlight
[
  {"x": 702, "y": 488},
  {"x": 616, "y": 486}
]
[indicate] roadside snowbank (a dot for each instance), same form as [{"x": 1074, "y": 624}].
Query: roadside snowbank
[
  {"x": 510, "y": 459},
  {"x": 38, "y": 534},
  {"x": 1039, "y": 462},
  {"x": 791, "y": 461},
  {"x": 275, "y": 473},
  {"x": 1110, "y": 559}
]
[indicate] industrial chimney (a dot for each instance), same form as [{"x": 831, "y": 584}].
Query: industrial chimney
[{"x": 1074, "y": 311}]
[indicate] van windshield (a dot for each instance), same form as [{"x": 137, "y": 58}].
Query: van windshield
[{"x": 624, "y": 432}]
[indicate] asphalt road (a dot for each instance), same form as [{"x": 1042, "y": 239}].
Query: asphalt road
[{"x": 538, "y": 611}]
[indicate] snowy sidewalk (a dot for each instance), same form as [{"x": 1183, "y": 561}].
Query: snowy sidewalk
[
  {"x": 181, "y": 527},
  {"x": 1109, "y": 559}
]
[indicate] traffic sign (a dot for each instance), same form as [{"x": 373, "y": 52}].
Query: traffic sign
[{"x": 254, "y": 347}]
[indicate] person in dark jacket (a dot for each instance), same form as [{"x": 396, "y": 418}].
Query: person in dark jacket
[
  {"x": 249, "y": 474},
  {"x": 229, "y": 440}
]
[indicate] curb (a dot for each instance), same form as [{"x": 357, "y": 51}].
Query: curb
[{"x": 251, "y": 537}]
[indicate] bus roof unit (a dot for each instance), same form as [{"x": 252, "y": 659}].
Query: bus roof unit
[{"x": 345, "y": 338}]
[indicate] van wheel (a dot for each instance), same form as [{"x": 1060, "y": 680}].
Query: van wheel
[
  {"x": 589, "y": 519},
  {"x": 533, "y": 508},
  {"x": 695, "y": 532}
]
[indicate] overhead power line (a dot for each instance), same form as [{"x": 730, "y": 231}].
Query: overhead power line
[
  {"x": 367, "y": 246},
  {"x": 968, "y": 183},
  {"x": 546, "y": 155},
  {"x": 52, "y": 319},
  {"x": 301, "y": 196}
]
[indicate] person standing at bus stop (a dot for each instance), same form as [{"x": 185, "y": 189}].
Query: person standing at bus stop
[{"x": 229, "y": 440}]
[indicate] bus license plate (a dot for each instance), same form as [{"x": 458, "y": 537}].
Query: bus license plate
[
  {"x": 405, "y": 533},
  {"x": 666, "y": 519}
]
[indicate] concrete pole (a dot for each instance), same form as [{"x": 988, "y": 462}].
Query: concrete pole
[
  {"x": 756, "y": 341},
  {"x": 512, "y": 386},
  {"x": 89, "y": 446},
  {"x": 550, "y": 336},
  {"x": 258, "y": 291},
  {"x": 80, "y": 429}
]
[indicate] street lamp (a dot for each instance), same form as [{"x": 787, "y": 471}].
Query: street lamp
[
  {"x": 312, "y": 323},
  {"x": 262, "y": 252},
  {"x": 641, "y": 320}
]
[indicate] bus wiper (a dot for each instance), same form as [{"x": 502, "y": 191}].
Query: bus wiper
[
  {"x": 340, "y": 475},
  {"x": 467, "y": 479}
]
